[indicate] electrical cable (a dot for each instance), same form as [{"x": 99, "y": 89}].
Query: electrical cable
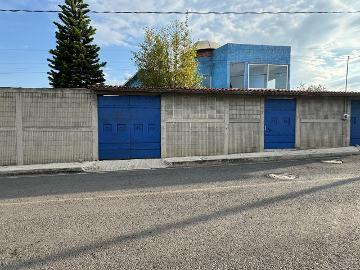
[{"x": 191, "y": 12}]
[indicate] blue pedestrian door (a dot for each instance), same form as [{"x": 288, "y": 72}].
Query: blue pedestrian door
[
  {"x": 129, "y": 127},
  {"x": 355, "y": 123},
  {"x": 280, "y": 115}
]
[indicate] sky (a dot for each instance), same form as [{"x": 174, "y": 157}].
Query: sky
[{"x": 320, "y": 43}]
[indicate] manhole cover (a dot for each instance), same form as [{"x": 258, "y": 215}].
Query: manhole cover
[
  {"x": 334, "y": 161},
  {"x": 282, "y": 176}
]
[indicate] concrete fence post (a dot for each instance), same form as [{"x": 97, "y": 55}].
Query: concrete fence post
[
  {"x": 163, "y": 100},
  {"x": 19, "y": 130},
  {"x": 95, "y": 127},
  {"x": 298, "y": 123},
  {"x": 262, "y": 125},
  {"x": 346, "y": 123},
  {"x": 226, "y": 125}
]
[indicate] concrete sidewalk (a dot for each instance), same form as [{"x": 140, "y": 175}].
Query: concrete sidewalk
[
  {"x": 146, "y": 164},
  {"x": 51, "y": 168},
  {"x": 264, "y": 156}
]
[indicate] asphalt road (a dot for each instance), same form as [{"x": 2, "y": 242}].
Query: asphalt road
[{"x": 220, "y": 217}]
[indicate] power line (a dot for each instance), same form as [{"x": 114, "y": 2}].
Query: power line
[
  {"x": 191, "y": 12},
  {"x": 117, "y": 50},
  {"x": 22, "y": 72},
  {"x": 36, "y": 72}
]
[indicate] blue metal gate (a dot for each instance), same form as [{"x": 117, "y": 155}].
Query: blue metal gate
[
  {"x": 129, "y": 127},
  {"x": 355, "y": 123},
  {"x": 280, "y": 123}
]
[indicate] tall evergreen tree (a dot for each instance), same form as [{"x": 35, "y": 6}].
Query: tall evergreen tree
[{"x": 75, "y": 61}]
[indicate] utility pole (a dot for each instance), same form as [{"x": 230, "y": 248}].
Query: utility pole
[{"x": 347, "y": 73}]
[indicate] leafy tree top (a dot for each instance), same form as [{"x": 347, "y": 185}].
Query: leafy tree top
[
  {"x": 312, "y": 87},
  {"x": 167, "y": 58}
]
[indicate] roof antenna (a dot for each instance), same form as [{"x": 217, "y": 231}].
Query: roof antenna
[{"x": 347, "y": 73}]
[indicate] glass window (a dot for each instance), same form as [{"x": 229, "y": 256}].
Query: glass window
[
  {"x": 268, "y": 76},
  {"x": 237, "y": 79},
  {"x": 258, "y": 76},
  {"x": 277, "y": 77}
]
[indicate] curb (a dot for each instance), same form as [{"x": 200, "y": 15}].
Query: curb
[
  {"x": 213, "y": 160},
  {"x": 131, "y": 165},
  {"x": 41, "y": 171}
]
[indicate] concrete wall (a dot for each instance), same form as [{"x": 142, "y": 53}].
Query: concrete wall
[
  {"x": 320, "y": 124},
  {"x": 47, "y": 125},
  {"x": 7, "y": 128},
  {"x": 194, "y": 125}
]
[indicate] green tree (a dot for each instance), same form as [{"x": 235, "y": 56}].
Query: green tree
[
  {"x": 312, "y": 87},
  {"x": 167, "y": 58},
  {"x": 75, "y": 61}
]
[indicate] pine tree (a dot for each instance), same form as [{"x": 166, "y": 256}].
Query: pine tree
[{"x": 75, "y": 62}]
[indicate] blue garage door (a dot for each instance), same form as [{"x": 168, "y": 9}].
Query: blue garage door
[
  {"x": 280, "y": 123},
  {"x": 355, "y": 123},
  {"x": 129, "y": 127}
]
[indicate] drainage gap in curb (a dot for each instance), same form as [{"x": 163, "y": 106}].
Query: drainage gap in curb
[{"x": 282, "y": 176}]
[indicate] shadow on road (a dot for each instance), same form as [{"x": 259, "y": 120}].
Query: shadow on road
[
  {"x": 157, "y": 230},
  {"x": 93, "y": 182}
]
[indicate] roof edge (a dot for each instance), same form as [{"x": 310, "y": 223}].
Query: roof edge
[{"x": 222, "y": 91}]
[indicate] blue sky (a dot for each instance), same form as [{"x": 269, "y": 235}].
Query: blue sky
[{"x": 320, "y": 43}]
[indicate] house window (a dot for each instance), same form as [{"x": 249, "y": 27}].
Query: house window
[
  {"x": 258, "y": 76},
  {"x": 277, "y": 78},
  {"x": 268, "y": 76},
  {"x": 237, "y": 71}
]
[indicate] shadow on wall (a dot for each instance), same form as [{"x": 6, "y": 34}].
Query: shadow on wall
[
  {"x": 126, "y": 180},
  {"x": 162, "y": 228}
]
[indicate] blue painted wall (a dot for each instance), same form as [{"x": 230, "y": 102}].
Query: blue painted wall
[
  {"x": 355, "y": 123},
  {"x": 217, "y": 67},
  {"x": 247, "y": 54},
  {"x": 133, "y": 81},
  {"x": 205, "y": 67}
]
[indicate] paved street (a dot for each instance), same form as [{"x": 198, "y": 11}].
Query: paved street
[{"x": 218, "y": 217}]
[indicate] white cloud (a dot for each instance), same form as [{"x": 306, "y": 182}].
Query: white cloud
[{"x": 319, "y": 43}]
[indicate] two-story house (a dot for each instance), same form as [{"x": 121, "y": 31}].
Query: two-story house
[{"x": 242, "y": 66}]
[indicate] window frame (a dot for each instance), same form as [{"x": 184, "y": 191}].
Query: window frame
[
  {"x": 237, "y": 62},
  {"x": 267, "y": 75},
  {"x": 287, "y": 75}
]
